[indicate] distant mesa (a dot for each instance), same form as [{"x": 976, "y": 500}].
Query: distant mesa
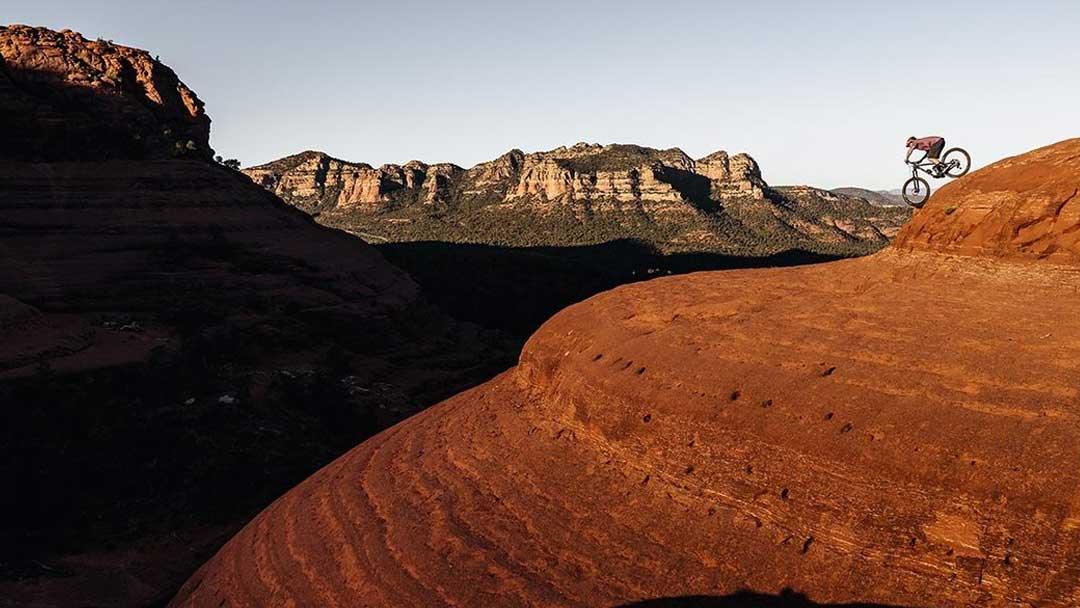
[
  {"x": 579, "y": 195},
  {"x": 900, "y": 429},
  {"x": 315, "y": 181},
  {"x": 583, "y": 172}
]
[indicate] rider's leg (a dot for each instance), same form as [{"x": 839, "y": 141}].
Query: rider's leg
[{"x": 934, "y": 155}]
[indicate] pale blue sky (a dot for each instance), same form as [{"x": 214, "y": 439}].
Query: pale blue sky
[{"x": 822, "y": 93}]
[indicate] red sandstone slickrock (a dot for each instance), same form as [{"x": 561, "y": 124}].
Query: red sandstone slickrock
[{"x": 899, "y": 429}]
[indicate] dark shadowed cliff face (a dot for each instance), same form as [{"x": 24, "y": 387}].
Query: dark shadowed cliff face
[
  {"x": 177, "y": 345},
  {"x": 582, "y": 195}
]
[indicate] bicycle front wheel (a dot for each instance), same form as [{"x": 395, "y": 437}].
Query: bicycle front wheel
[
  {"x": 916, "y": 192},
  {"x": 957, "y": 162}
]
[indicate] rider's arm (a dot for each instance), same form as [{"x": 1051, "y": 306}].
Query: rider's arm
[{"x": 909, "y": 151}]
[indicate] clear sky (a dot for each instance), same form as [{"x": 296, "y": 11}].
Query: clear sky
[{"x": 821, "y": 93}]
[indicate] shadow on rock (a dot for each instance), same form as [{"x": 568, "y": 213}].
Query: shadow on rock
[
  {"x": 747, "y": 599},
  {"x": 516, "y": 289}
]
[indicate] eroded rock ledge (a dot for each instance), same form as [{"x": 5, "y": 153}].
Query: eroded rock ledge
[{"x": 1027, "y": 206}]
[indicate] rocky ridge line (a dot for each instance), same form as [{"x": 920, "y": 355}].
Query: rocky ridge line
[{"x": 315, "y": 180}]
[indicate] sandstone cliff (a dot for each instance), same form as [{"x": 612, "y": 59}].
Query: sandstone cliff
[
  {"x": 314, "y": 181},
  {"x": 582, "y": 172},
  {"x": 737, "y": 175},
  {"x": 68, "y": 98},
  {"x": 898, "y": 429},
  {"x": 583, "y": 194}
]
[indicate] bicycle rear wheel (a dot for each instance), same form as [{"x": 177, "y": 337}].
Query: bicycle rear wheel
[
  {"x": 962, "y": 158},
  {"x": 916, "y": 192}
]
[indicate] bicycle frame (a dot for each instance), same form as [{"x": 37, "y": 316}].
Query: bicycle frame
[
  {"x": 916, "y": 167},
  {"x": 925, "y": 166},
  {"x": 930, "y": 169}
]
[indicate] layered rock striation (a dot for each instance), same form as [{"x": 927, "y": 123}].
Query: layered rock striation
[{"x": 898, "y": 429}]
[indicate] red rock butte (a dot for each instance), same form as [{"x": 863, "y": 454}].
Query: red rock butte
[
  {"x": 65, "y": 98},
  {"x": 900, "y": 429}
]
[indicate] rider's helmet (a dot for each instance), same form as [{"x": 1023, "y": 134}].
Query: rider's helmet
[{"x": 911, "y": 140}]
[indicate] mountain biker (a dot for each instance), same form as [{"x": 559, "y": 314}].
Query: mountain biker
[{"x": 932, "y": 145}]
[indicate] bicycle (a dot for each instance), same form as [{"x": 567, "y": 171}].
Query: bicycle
[{"x": 956, "y": 162}]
